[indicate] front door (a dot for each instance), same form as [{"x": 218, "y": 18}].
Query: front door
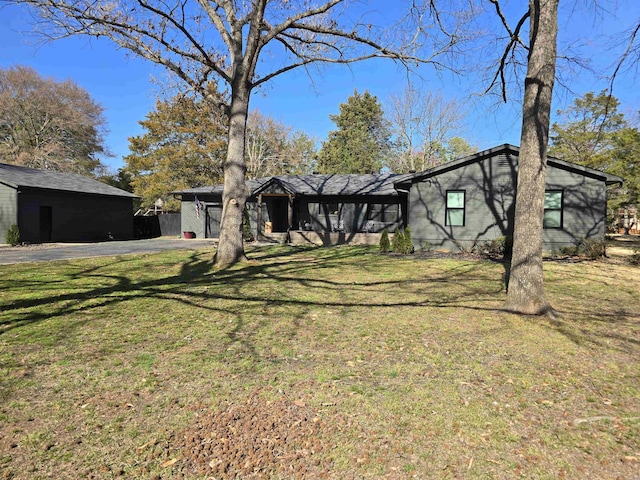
[
  {"x": 46, "y": 224},
  {"x": 214, "y": 215},
  {"x": 277, "y": 212}
]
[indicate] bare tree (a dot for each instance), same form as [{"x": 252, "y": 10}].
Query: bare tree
[
  {"x": 200, "y": 39},
  {"x": 422, "y": 122},
  {"x": 524, "y": 276}
]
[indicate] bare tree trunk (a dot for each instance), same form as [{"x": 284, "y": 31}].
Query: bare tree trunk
[
  {"x": 526, "y": 287},
  {"x": 234, "y": 196}
]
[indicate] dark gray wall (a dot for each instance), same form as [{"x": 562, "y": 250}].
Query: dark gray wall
[
  {"x": 306, "y": 209},
  {"x": 489, "y": 186},
  {"x": 8, "y": 210},
  {"x": 188, "y": 215},
  {"x": 75, "y": 216}
]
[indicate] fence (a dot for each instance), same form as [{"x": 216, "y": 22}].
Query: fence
[{"x": 164, "y": 225}]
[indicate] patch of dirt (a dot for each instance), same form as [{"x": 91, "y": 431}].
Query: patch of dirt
[{"x": 252, "y": 440}]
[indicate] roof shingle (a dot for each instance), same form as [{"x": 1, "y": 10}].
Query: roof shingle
[{"x": 22, "y": 177}]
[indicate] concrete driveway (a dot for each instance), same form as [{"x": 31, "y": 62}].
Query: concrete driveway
[{"x": 62, "y": 251}]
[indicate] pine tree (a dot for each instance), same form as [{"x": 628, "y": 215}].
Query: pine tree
[
  {"x": 385, "y": 245},
  {"x": 397, "y": 244},
  {"x": 362, "y": 141}
]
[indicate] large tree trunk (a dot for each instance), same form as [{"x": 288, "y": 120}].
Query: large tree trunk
[
  {"x": 234, "y": 197},
  {"x": 526, "y": 288}
]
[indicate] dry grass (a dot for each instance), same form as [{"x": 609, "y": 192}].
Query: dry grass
[{"x": 407, "y": 363}]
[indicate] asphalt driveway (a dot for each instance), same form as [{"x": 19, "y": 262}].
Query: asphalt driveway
[{"x": 62, "y": 251}]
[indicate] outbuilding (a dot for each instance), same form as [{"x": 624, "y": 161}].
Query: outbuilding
[{"x": 50, "y": 206}]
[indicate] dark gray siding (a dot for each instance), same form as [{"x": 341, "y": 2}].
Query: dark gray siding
[
  {"x": 189, "y": 215},
  {"x": 489, "y": 202},
  {"x": 584, "y": 209},
  {"x": 8, "y": 210},
  {"x": 74, "y": 216},
  {"x": 489, "y": 194}
]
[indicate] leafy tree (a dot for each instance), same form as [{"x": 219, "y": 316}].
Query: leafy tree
[
  {"x": 593, "y": 133},
  {"x": 48, "y": 124},
  {"x": 183, "y": 146},
  {"x": 624, "y": 160},
  {"x": 226, "y": 39},
  {"x": 458, "y": 147},
  {"x": 362, "y": 141},
  {"x": 273, "y": 148},
  {"x": 121, "y": 179},
  {"x": 586, "y": 132}
]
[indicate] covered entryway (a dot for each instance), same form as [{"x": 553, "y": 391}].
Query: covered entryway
[{"x": 276, "y": 214}]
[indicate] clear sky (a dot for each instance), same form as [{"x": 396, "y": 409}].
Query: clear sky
[{"x": 126, "y": 88}]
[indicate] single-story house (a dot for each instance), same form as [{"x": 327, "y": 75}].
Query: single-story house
[
  {"x": 52, "y": 206},
  {"x": 452, "y": 206}
]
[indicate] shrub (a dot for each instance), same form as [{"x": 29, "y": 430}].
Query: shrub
[
  {"x": 397, "y": 245},
  {"x": 425, "y": 246},
  {"x": 13, "y": 235},
  {"x": 592, "y": 248},
  {"x": 492, "y": 248},
  {"x": 384, "y": 245},
  {"x": 247, "y": 234},
  {"x": 570, "y": 251},
  {"x": 634, "y": 259},
  {"x": 408, "y": 242}
]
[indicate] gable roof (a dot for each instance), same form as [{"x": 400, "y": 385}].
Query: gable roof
[
  {"x": 513, "y": 150},
  {"x": 317, "y": 184},
  {"x": 22, "y": 177},
  {"x": 335, "y": 184}
]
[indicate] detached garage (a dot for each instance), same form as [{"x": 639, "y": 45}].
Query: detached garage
[{"x": 62, "y": 207}]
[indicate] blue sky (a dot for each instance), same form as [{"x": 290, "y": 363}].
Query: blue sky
[{"x": 124, "y": 87}]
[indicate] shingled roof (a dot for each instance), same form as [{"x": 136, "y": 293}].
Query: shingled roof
[
  {"x": 22, "y": 177},
  {"x": 316, "y": 184}
]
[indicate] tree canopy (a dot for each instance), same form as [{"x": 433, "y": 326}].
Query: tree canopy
[
  {"x": 362, "y": 141},
  {"x": 200, "y": 40},
  {"x": 49, "y": 124},
  {"x": 274, "y": 148},
  {"x": 183, "y": 146},
  {"x": 592, "y": 132},
  {"x": 424, "y": 127}
]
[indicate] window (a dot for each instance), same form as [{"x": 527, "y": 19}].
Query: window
[
  {"x": 332, "y": 208},
  {"x": 454, "y": 215},
  {"x": 552, "y": 209},
  {"x": 381, "y": 212}
]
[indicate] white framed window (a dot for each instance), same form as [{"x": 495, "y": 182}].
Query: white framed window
[
  {"x": 455, "y": 211},
  {"x": 553, "y": 202}
]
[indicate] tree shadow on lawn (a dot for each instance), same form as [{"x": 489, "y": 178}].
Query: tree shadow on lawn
[{"x": 477, "y": 287}]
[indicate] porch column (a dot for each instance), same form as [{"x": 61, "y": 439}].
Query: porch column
[
  {"x": 259, "y": 217},
  {"x": 290, "y": 212}
]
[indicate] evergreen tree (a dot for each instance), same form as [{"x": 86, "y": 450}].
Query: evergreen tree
[
  {"x": 587, "y": 129},
  {"x": 385, "y": 245},
  {"x": 183, "y": 146},
  {"x": 596, "y": 135},
  {"x": 362, "y": 141}
]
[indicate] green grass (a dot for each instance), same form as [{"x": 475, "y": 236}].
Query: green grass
[{"x": 411, "y": 359}]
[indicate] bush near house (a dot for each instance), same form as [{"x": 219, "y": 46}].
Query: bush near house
[
  {"x": 13, "y": 235},
  {"x": 385, "y": 245}
]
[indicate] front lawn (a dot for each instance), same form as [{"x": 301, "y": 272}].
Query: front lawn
[{"x": 315, "y": 363}]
